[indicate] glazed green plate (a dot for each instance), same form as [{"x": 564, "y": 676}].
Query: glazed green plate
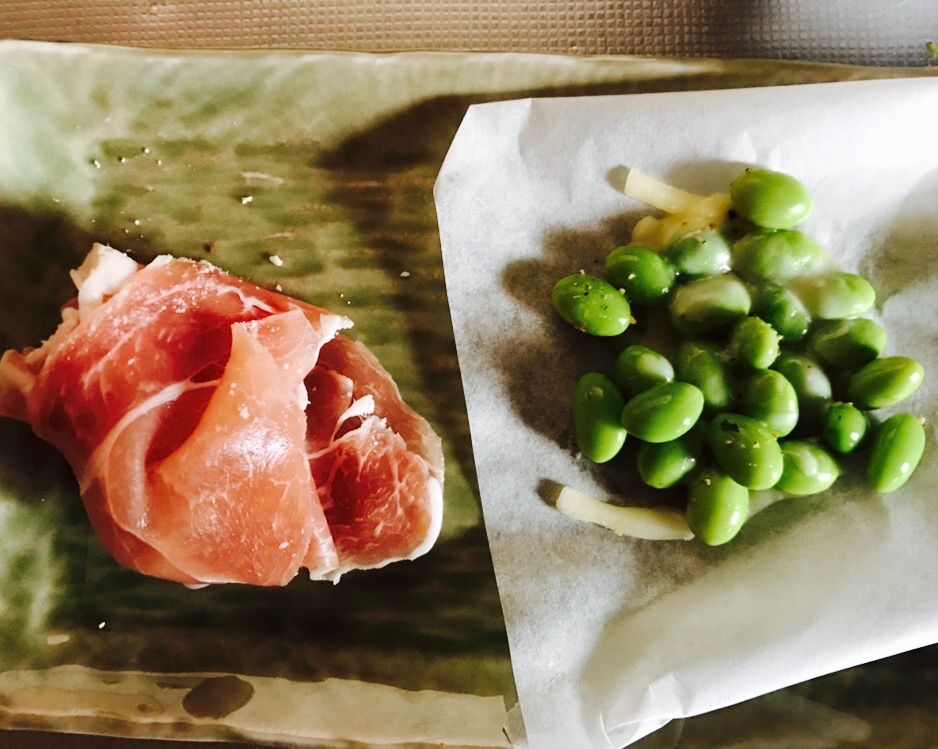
[{"x": 325, "y": 162}]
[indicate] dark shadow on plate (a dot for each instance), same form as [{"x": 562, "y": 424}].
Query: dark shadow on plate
[
  {"x": 38, "y": 248},
  {"x": 36, "y": 252},
  {"x": 534, "y": 367}
]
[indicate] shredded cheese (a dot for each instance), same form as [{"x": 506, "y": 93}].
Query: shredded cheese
[
  {"x": 673, "y": 200},
  {"x": 687, "y": 212},
  {"x": 658, "y": 233},
  {"x": 658, "y": 194},
  {"x": 650, "y": 523}
]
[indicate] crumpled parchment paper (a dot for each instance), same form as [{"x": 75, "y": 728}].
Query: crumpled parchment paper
[{"x": 611, "y": 638}]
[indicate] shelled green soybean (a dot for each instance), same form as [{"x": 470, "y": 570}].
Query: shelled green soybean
[{"x": 776, "y": 375}]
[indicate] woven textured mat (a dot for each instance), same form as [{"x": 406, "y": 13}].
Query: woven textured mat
[{"x": 865, "y": 32}]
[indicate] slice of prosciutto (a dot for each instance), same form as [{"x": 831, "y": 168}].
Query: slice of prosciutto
[{"x": 224, "y": 433}]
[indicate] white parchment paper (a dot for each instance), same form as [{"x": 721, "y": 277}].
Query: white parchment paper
[{"x": 612, "y": 638}]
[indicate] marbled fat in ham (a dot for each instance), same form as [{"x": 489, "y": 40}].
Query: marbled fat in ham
[{"x": 221, "y": 432}]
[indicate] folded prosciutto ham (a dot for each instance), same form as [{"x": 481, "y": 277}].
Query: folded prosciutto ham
[{"x": 224, "y": 433}]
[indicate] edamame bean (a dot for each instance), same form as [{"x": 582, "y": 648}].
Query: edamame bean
[
  {"x": 770, "y": 288},
  {"x": 895, "y": 452},
  {"x": 781, "y": 309},
  {"x": 703, "y": 253},
  {"x": 754, "y": 343},
  {"x": 646, "y": 277},
  {"x": 811, "y": 385},
  {"x": 717, "y": 507},
  {"x": 592, "y": 305},
  {"x": 884, "y": 382},
  {"x": 663, "y": 412},
  {"x": 847, "y": 343},
  {"x": 701, "y": 364},
  {"x": 808, "y": 468},
  {"x": 667, "y": 463},
  {"x": 746, "y": 449},
  {"x": 776, "y": 256},
  {"x": 834, "y": 295},
  {"x": 770, "y": 199},
  {"x": 770, "y": 398},
  {"x": 638, "y": 367},
  {"x": 707, "y": 304},
  {"x": 843, "y": 427},
  {"x": 597, "y": 407}
]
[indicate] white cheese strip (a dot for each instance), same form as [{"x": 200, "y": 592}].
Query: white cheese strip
[
  {"x": 651, "y": 523},
  {"x": 671, "y": 199},
  {"x": 658, "y": 194}
]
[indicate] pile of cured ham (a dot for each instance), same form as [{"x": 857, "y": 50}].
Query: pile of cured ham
[{"x": 221, "y": 432}]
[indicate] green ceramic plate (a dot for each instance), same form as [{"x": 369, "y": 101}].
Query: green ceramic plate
[{"x": 327, "y": 161}]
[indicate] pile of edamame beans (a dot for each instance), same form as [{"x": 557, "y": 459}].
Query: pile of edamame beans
[{"x": 773, "y": 371}]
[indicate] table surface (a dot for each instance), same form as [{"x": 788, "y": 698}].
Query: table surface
[
  {"x": 857, "y": 32},
  {"x": 863, "y": 32}
]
